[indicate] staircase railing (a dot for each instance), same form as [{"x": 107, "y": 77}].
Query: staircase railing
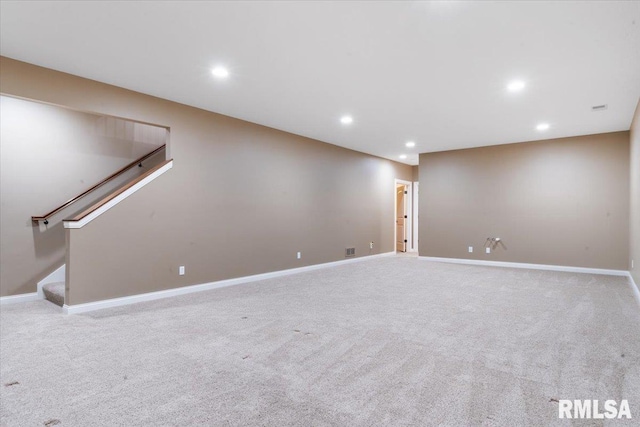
[
  {"x": 45, "y": 217},
  {"x": 148, "y": 175}
]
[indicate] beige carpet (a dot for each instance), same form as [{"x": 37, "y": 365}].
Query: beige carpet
[{"x": 393, "y": 341}]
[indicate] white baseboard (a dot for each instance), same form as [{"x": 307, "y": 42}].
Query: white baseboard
[
  {"x": 14, "y": 299},
  {"x": 57, "y": 276},
  {"x": 151, "y": 296},
  {"x": 529, "y": 266}
]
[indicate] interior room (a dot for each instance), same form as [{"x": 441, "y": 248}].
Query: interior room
[{"x": 319, "y": 213}]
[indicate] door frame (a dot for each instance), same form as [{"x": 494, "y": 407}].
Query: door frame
[
  {"x": 408, "y": 212},
  {"x": 414, "y": 242}
]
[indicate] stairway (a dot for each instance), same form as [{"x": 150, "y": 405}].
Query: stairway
[{"x": 54, "y": 292}]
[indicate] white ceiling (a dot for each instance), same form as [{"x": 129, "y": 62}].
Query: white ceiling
[{"x": 432, "y": 72}]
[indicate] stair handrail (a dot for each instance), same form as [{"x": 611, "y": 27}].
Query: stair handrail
[
  {"x": 105, "y": 200},
  {"x": 45, "y": 217}
]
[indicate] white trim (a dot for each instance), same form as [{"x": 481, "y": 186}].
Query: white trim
[
  {"x": 120, "y": 197},
  {"x": 414, "y": 219},
  {"x": 529, "y": 266},
  {"x": 634, "y": 287},
  {"x": 14, "y": 299},
  {"x": 151, "y": 296},
  {"x": 408, "y": 211},
  {"x": 58, "y": 275}
]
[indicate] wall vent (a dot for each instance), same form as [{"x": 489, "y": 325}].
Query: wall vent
[
  {"x": 599, "y": 107},
  {"x": 349, "y": 252}
]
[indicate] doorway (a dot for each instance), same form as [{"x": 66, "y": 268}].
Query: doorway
[{"x": 403, "y": 235}]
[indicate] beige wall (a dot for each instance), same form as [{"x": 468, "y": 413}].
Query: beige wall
[
  {"x": 415, "y": 174},
  {"x": 634, "y": 239},
  {"x": 48, "y": 155},
  {"x": 289, "y": 194},
  {"x": 558, "y": 202}
]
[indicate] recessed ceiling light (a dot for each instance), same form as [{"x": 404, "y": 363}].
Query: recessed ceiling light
[
  {"x": 542, "y": 126},
  {"x": 410, "y": 144},
  {"x": 403, "y": 156},
  {"x": 220, "y": 72},
  {"x": 345, "y": 120},
  {"x": 515, "y": 86}
]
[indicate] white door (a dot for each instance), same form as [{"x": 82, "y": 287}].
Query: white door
[{"x": 401, "y": 216}]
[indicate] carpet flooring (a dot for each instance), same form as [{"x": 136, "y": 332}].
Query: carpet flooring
[
  {"x": 392, "y": 341},
  {"x": 54, "y": 292}
]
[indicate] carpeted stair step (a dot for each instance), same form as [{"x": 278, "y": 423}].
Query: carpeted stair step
[{"x": 54, "y": 292}]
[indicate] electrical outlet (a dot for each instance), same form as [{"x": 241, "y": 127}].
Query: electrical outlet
[
  {"x": 181, "y": 270},
  {"x": 299, "y": 255},
  {"x": 632, "y": 264},
  {"x": 488, "y": 250},
  {"x": 470, "y": 249},
  {"x": 371, "y": 246}
]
